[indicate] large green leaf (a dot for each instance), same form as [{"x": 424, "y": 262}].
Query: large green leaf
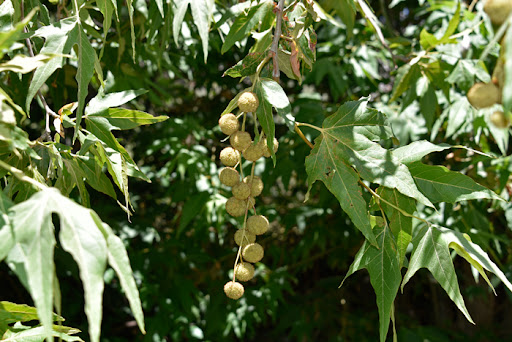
[
  {"x": 353, "y": 131},
  {"x": 431, "y": 251},
  {"x": 507, "y": 87},
  {"x": 383, "y": 266},
  {"x": 37, "y": 334},
  {"x": 442, "y": 185},
  {"x": 12, "y": 312},
  {"x": 400, "y": 224},
  {"x": 6, "y": 235},
  {"x": 275, "y": 95},
  {"x": 80, "y": 235},
  {"x": 120, "y": 118}
]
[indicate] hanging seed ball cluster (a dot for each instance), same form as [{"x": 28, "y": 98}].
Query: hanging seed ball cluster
[
  {"x": 244, "y": 190},
  {"x": 485, "y": 95}
]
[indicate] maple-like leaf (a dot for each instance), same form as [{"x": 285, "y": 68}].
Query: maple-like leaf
[{"x": 349, "y": 140}]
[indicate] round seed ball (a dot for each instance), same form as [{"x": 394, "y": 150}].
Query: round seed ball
[
  {"x": 498, "y": 10},
  {"x": 241, "y": 191},
  {"x": 257, "y": 224},
  {"x": 248, "y": 102},
  {"x": 253, "y": 252},
  {"x": 240, "y": 140},
  {"x": 244, "y": 271},
  {"x": 256, "y": 185},
  {"x": 244, "y": 237},
  {"x": 229, "y": 156},
  {"x": 253, "y": 152},
  {"x": 483, "y": 95},
  {"x": 499, "y": 119},
  {"x": 266, "y": 151},
  {"x": 235, "y": 207},
  {"x": 233, "y": 289},
  {"x": 229, "y": 176},
  {"x": 228, "y": 124}
]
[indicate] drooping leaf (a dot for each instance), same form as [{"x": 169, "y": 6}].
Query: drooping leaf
[
  {"x": 202, "y": 13},
  {"x": 79, "y": 235},
  {"x": 507, "y": 87},
  {"x": 399, "y": 223},
  {"x": 246, "y": 66},
  {"x": 24, "y": 64},
  {"x": 121, "y": 118},
  {"x": 276, "y": 96},
  {"x": 442, "y": 185},
  {"x": 6, "y": 234},
  {"x": 431, "y": 251},
  {"x": 407, "y": 75},
  {"x": 118, "y": 259},
  {"x": 383, "y": 266},
  {"x": 37, "y": 334}
]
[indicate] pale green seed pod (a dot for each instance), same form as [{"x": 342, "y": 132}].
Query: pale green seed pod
[
  {"x": 248, "y": 102},
  {"x": 229, "y": 156},
  {"x": 244, "y": 271},
  {"x": 257, "y": 224},
  {"x": 234, "y": 290},
  {"x": 240, "y": 141},
  {"x": 256, "y": 185},
  {"x": 241, "y": 191},
  {"x": 253, "y": 252},
  {"x": 229, "y": 176},
  {"x": 235, "y": 207},
  {"x": 244, "y": 237},
  {"x": 228, "y": 124}
]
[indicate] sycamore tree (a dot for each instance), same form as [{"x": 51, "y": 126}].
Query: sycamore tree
[{"x": 376, "y": 133}]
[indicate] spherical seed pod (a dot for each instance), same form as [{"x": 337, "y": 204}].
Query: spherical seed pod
[
  {"x": 248, "y": 102},
  {"x": 241, "y": 191},
  {"x": 235, "y": 207},
  {"x": 266, "y": 151},
  {"x": 483, "y": 95},
  {"x": 257, "y": 224},
  {"x": 244, "y": 271},
  {"x": 253, "y": 252},
  {"x": 228, "y": 124},
  {"x": 253, "y": 152},
  {"x": 240, "y": 140},
  {"x": 234, "y": 290},
  {"x": 229, "y": 156},
  {"x": 256, "y": 185},
  {"x": 244, "y": 237},
  {"x": 498, "y": 10},
  {"x": 499, "y": 119},
  {"x": 229, "y": 176}
]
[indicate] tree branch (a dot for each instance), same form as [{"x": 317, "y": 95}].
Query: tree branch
[{"x": 275, "y": 43}]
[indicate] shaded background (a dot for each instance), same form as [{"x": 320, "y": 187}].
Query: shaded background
[{"x": 180, "y": 240}]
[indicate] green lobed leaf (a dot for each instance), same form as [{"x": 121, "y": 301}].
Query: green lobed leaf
[
  {"x": 442, "y": 185},
  {"x": 383, "y": 266},
  {"x": 431, "y": 251},
  {"x": 353, "y": 129},
  {"x": 341, "y": 180},
  {"x": 399, "y": 223}
]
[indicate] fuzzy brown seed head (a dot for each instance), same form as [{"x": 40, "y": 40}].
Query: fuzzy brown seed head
[
  {"x": 256, "y": 185},
  {"x": 266, "y": 151},
  {"x": 229, "y": 176},
  {"x": 228, "y": 124},
  {"x": 483, "y": 95},
  {"x": 229, "y": 156},
  {"x": 499, "y": 119},
  {"x": 244, "y": 271},
  {"x": 235, "y": 207},
  {"x": 498, "y": 10},
  {"x": 244, "y": 237},
  {"x": 241, "y": 191},
  {"x": 257, "y": 224},
  {"x": 253, "y": 152},
  {"x": 234, "y": 290},
  {"x": 253, "y": 252},
  {"x": 240, "y": 140},
  {"x": 248, "y": 102}
]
